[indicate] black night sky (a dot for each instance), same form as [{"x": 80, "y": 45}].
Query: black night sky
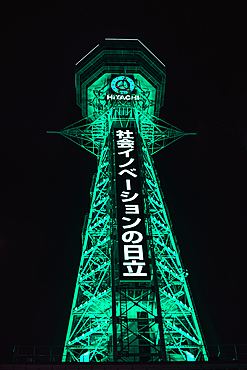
[{"x": 45, "y": 179}]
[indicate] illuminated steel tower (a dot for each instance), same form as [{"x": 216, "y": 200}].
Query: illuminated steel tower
[{"x": 132, "y": 301}]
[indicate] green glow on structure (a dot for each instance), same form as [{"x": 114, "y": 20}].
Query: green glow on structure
[{"x": 110, "y": 320}]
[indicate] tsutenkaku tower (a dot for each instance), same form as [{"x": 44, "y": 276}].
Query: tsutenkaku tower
[{"x": 132, "y": 301}]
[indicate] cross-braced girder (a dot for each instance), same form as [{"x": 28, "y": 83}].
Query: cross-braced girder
[
  {"x": 91, "y": 318},
  {"x": 181, "y": 328},
  {"x": 137, "y": 325},
  {"x": 111, "y": 321},
  {"x": 156, "y": 133}
]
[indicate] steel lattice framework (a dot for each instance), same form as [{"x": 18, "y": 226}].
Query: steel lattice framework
[{"x": 135, "y": 321}]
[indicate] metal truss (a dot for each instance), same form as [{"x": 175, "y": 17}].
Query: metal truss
[
  {"x": 157, "y": 136},
  {"x": 90, "y": 321},
  {"x": 138, "y": 329},
  {"x": 145, "y": 319},
  {"x": 91, "y": 136},
  {"x": 183, "y": 337}
]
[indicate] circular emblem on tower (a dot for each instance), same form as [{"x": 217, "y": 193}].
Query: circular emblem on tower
[{"x": 122, "y": 85}]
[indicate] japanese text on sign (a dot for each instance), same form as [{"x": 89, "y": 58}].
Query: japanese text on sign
[{"x": 133, "y": 255}]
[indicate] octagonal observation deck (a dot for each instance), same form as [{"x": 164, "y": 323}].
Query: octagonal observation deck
[{"x": 114, "y": 58}]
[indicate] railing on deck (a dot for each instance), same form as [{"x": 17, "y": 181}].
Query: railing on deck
[{"x": 51, "y": 354}]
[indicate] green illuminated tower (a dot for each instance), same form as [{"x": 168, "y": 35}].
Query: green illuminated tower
[{"x": 132, "y": 301}]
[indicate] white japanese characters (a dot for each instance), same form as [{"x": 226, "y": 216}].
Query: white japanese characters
[{"x": 131, "y": 226}]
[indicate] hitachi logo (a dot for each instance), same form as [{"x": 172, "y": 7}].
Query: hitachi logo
[{"x": 122, "y": 97}]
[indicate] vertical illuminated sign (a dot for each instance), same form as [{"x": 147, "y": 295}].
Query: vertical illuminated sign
[{"x": 132, "y": 242}]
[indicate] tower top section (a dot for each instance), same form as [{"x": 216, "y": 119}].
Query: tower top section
[{"x": 120, "y": 72}]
